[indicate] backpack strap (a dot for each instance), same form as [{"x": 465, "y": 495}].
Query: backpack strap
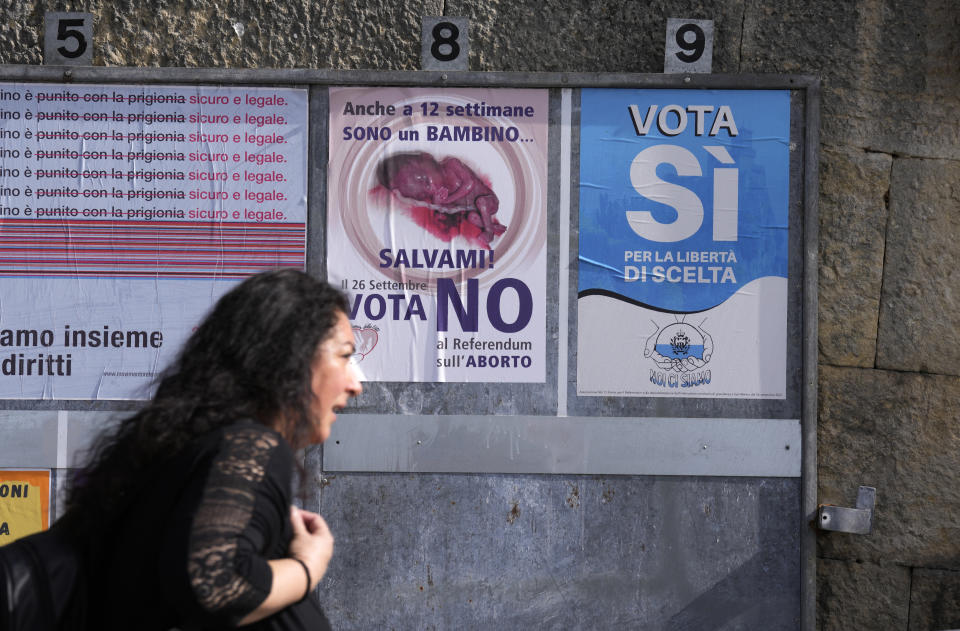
[
  {"x": 26, "y": 601},
  {"x": 41, "y": 587}
]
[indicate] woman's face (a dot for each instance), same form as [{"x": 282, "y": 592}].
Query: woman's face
[{"x": 334, "y": 379}]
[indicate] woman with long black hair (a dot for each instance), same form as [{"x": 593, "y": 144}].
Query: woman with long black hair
[{"x": 184, "y": 516}]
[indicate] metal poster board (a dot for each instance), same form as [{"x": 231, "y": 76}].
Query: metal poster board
[
  {"x": 633, "y": 256},
  {"x": 588, "y": 247}
]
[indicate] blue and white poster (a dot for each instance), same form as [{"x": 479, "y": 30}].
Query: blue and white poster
[{"x": 682, "y": 287}]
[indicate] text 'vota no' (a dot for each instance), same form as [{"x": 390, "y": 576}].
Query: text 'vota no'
[{"x": 407, "y": 306}]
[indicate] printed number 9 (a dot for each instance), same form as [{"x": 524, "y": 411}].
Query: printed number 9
[
  {"x": 64, "y": 33},
  {"x": 694, "y": 48},
  {"x": 450, "y": 40}
]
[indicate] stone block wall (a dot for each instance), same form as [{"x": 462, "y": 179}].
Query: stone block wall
[{"x": 889, "y": 212}]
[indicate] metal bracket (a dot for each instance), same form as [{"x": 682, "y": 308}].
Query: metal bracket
[{"x": 858, "y": 521}]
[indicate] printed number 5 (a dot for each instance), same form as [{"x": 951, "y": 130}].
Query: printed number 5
[
  {"x": 439, "y": 39},
  {"x": 67, "y": 29}
]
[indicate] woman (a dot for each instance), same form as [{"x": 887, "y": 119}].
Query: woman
[{"x": 184, "y": 513}]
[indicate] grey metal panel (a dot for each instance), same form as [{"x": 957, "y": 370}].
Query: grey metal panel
[
  {"x": 67, "y": 404},
  {"x": 29, "y": 439},
  {"x": 49, "y": 439},
  {"x": 811, "y": 306},
  {"x": 565, "y": 249},
  {"x": 480, "y": 552},
  {"x": 58, "y": 478},
  {"x": 317, "y": 172},
  {"x": 83, "y": 429},
  {"x": 269, "y": 76},
  {"x": 573, "y": 445}
]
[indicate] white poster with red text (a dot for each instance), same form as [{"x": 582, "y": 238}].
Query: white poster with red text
[{"x": 125, "y": 213}]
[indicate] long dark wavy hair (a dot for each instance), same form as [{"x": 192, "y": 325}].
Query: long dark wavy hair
[{"x": 250, "y": 358}]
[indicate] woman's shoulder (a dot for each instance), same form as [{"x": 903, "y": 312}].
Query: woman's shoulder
[
  {"x": 249, "y": 448},
  {"x": 248, "y": 430}
]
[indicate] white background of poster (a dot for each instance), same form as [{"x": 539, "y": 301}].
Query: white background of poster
[
  {"x": 364, "y": 218},
  {"x": 131, "y": 208},
  {"x": 614, "y": 323}
]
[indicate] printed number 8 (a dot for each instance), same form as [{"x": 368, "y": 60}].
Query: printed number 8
[
  {"x": 695, "y": 47},
  {"x": 450, "y": 40}
]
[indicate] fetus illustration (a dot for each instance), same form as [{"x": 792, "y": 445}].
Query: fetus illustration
[{"x": 449, "y": 189}]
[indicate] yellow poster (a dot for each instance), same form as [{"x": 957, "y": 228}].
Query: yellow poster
[{"x": 24, "y": 503}]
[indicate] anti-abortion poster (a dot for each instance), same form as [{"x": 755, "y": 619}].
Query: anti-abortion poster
[
  {"x": 125, "y": 212},
  {"x": 437, "y": 230},
  {"x": 683, "y": 243}
]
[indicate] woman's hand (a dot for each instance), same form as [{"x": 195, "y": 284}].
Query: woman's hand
[{"x": 312, "y": 542}]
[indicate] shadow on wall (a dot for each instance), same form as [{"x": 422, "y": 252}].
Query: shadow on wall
[{"x": 745, "y": 598}]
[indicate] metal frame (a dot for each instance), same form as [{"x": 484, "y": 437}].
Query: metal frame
[{"x": 808, "y": 88}]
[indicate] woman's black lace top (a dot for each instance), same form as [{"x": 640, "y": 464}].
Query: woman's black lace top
[{"x": 225, "y": 570}]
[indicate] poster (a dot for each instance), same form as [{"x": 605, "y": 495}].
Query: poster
[
  {"x": 24, "y": 503},
  {"x": 682, "y": 288},
  {"x": 437, "y": 230},
  {"x": 125, "y": 212}
]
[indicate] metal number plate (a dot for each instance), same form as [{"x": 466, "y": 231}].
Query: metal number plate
[
  {"x": 445, "y": 43},
  {"x": 689, "y": 46},
  {"x": 68, "y": 39}
]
